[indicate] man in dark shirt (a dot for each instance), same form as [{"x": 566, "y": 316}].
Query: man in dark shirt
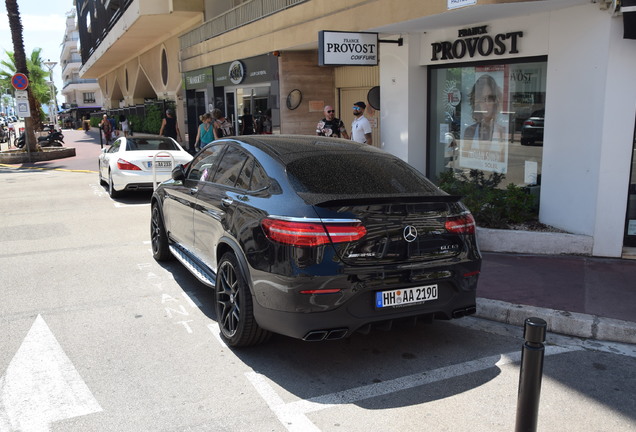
[
  {"x": 331, "y": 126},
  {"x": 169, "y": 126}
]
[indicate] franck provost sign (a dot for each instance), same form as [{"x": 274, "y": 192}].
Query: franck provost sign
[{"x": 351, "y": 49}]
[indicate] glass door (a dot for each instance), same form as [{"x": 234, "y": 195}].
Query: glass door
[
  {"x": 230, "y": 108},
  {"x": 630, "y": 220}
]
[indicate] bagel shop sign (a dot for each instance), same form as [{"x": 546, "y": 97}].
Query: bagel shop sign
[
  {"x": 476, "y": 42},
  {"x": 344, "y": 48}
]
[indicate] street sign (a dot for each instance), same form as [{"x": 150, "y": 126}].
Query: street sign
[
  {"x": 20, "y": 81},
  {"x": 22, "y": 103}
]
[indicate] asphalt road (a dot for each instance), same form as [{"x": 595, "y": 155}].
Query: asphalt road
[{"x": 97, "y": 336}]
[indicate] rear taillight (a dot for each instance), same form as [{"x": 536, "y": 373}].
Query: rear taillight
[
  {"x": 124, "y": 165},
  {"x": 528, "y": 123},
  {"x": 312, "y": 233},
  {"x": 464, "y": 224}
]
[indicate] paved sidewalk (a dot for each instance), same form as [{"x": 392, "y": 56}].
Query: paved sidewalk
[{"x": 577, "y": 295}]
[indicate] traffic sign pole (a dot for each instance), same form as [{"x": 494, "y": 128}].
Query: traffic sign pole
[{"x": 20, "y": 82}]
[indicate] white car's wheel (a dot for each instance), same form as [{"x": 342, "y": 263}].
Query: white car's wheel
[
  {"x": 111, "y": 187},
  {"x": 99, "y": 173}
]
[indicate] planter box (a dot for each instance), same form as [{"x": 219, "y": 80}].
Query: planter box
[{"x": 48, "y": 153}]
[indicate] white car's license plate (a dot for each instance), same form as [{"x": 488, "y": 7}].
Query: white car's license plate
[
  {"x": 405, "y": 296},
  {"x": 161, "y": 164}
]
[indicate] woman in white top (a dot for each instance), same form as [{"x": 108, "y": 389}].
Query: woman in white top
[{"x": 123, "y": 124}]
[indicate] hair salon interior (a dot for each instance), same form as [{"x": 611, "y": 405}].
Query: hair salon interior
[{"x": 541, "y": 91}]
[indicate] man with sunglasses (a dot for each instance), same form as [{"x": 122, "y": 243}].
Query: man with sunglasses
[
  {"x": 360, "y": 127},
  {"x": 331, "y": 126}
]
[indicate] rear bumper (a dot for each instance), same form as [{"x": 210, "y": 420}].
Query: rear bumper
[
  {"x": 340, "y": 323},
  {"x": 137, "y": 180},
  {"x": 280, "y": 307}
]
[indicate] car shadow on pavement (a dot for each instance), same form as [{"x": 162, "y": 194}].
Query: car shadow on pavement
[
  {"x": 380, "y": 356},
  {"x": 131, "y": 197}
]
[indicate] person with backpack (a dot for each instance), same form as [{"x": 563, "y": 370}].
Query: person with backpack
[
  {"x": 205, "y": 132},
  {"x": 222, "y": 127}
]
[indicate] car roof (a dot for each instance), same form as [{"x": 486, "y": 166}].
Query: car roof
[{"x": 288, "y": 148}]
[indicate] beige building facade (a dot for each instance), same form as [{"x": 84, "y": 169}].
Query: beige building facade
[{"x": 567, "y": 61}]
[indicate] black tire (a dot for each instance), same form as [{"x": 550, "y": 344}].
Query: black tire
[
  {"x": 158, "y": 236},
  {"x": 111, "y": 188},
  {"x": 234, "y": 309}
]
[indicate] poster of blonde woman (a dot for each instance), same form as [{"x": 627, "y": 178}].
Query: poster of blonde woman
[{"x": 484, "y": 142}]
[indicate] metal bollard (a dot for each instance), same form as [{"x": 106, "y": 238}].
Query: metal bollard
[{"x": 530, "y": 375}]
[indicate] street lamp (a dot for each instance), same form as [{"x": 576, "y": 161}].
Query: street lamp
[{"x": 52, "y": 103}]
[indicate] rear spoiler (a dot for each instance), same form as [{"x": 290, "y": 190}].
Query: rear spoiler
[{"x": 354, "y": 200}]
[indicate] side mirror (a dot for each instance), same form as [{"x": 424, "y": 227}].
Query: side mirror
[{"x": 178, "y": 173}]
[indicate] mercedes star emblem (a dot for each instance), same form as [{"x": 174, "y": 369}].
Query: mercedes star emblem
[{"x": 410, "y": 233}]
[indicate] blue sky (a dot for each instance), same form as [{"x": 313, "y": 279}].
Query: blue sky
[{"x": 44, "y": 23}]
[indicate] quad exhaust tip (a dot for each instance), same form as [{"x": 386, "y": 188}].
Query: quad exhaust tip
[
  {"x": 458, "y": 313},
  {"x": 320, "y": 335}
]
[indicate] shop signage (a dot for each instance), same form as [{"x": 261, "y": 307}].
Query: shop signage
[
  {"x": 351, "y": 49},
  {"x": 251, "y": 70},
  {"x": 198, "y": 79},
  {"x": 236, "y": 72},
  {"x": 476, "y": 41}
]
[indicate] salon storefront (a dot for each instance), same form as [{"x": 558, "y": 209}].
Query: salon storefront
[
  {"x": 545, "y": 99},
  {"x": 246, "y": 85},
  {"x": 249, "y": 86}
]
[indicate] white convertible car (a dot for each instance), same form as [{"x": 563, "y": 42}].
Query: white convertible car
[{"x": 128, "y": 163}]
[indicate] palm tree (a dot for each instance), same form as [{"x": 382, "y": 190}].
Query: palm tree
[
  {"x": 37, "y": 79},
  {"x": 15, "y": 23}
]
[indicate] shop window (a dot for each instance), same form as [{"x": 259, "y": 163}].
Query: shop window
[
  {"x": 488, "y": 117},
  {"x": 164, "y": 67}
]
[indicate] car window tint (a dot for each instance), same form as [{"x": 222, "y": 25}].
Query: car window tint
[
  {"x": 243, "y": 181},
  {"x": 204, "y": 166},
  {"x": 143, "y": 144},
  {"x": 259, "y": 177},
  {"x": 347, "y": 174},
  {"x": 230, "y": 167}
]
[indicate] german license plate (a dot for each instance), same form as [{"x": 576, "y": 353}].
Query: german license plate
[
  {"x": 161, "y": 164},
  {"x": 405, "y": 296}
]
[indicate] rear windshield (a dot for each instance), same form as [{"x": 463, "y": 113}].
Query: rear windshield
[
  {"x": 141, "y": 144},
  {"x": 357, "y": 174}
]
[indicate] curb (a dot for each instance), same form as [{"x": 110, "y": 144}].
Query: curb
[
  {"x": 47, "y": 154},
  {"x": 562, "y": 322},
  {"x": 533, "y": 242}
]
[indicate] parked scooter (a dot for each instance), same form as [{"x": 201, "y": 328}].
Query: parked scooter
[{"x": 54, "y": 138}]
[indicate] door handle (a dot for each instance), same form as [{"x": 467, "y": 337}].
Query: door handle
[
  {"x": 227, "y": 201},
  {"x": 193, "y": 191}
]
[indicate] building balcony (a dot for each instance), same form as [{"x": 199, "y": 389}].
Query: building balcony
[
  {"x": 236, "y": 17},
  {"x": 78, "y": 81},
  {"x": 118, "y": 30}
]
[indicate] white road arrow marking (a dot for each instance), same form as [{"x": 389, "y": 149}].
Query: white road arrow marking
[{"x": 41, "y": 385}]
